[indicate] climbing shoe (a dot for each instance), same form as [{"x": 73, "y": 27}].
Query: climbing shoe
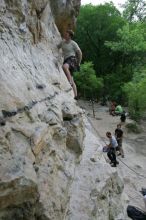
[{"x": 113, "y": 165}]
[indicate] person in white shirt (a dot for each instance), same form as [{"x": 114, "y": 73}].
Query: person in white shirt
[
  {"x": 72, "y": 58},
  {"x": 112, "y": 149}
]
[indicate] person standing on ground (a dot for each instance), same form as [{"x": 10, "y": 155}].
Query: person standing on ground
[
  {"x": 119, "y": 138},
  {"x": 112, "y": 149},
  {"x": 123, "y": 117},
  {"x": 72, "y": 58}
]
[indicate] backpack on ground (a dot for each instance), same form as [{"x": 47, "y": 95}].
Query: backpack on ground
[{"x": 135, "y": 213}]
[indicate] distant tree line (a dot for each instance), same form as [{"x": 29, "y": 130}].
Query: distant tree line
[{"x": 114, "y": 44}]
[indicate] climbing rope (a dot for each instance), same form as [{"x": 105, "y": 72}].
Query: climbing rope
[{"x": 141, "y": 175}]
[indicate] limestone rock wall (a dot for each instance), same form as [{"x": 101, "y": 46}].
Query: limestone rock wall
[
  {"x": 65, "y": 13},
  {"x": 41, "y": 127}
]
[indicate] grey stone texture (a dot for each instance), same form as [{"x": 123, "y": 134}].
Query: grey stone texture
[{"x": 42, "y": 130}]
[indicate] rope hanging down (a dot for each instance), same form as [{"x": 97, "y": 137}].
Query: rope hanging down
[{"x": 141, "y": 175}]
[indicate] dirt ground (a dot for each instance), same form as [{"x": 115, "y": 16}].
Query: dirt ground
[{"x": 132, "y": 168}]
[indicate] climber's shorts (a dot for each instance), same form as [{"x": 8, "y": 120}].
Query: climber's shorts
[{"x": 72, "y": 62}]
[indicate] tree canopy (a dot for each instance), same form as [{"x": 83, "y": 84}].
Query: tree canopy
[
  {"x": 135, "y": 10},
  {"x": 115, "y": 43},
  {"x": 95, "y": 25},
  {"x": 89, "y": 85}
]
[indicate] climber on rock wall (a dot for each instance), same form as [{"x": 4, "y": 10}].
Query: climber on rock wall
[{"x": 72, "y": 58}]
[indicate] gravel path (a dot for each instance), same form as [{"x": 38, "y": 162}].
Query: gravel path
[{"x": 134, "y": 148}]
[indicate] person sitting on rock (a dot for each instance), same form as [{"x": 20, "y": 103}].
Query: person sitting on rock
[
  {"x": 118, "y": 110},
  {"x": 112, "y": 108},
  {"x": 72, "y": 58},
  {"x": 112, "y": 149},
  {"x": 119, "y": 138}
]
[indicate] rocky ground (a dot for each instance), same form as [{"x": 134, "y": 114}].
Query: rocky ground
[{"x": 131, "y": 168}]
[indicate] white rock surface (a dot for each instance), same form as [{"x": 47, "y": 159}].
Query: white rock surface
[
  {"x": 97, "y": 188},
  {"x": 41, "y": 127}
]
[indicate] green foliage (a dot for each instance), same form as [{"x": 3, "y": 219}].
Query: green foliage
[
  {"x": 89, "y": 86},
  {"x": 95, "y": 25},
  {"x": 131, "y": 46},
  {"x": 131, "y": 40},
  {"x": 113, "y": 87},
  {"x": 116, "y": 46},
  {"x": 136, "y": 95},
  {"x": 135, "y": 10}
]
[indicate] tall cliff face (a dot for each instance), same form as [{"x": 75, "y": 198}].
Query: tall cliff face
[{"x": 42, "y": 130}]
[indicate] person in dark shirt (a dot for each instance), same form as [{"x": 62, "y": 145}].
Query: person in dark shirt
[
  {"x": 123, "y": 116},
  {"x": 119, "y": 138}
]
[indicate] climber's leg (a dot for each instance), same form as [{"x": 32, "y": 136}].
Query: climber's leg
[{"x": 67, "y": 72}]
